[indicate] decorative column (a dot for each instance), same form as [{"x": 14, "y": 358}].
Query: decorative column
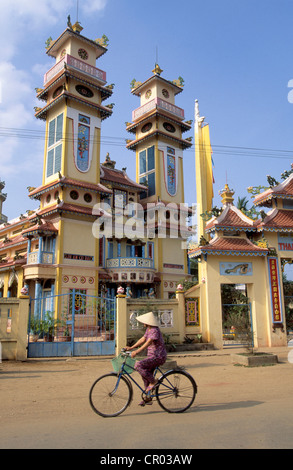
[
  {"x": 122, "y": 320},
  {"x": 181, "y": 312},
  {"x": 40, "y": 250}
]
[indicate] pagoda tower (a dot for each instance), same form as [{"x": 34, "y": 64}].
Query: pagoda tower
[
  {"x": 74, "y": 91},
  {"x": 158, "y": 125}
]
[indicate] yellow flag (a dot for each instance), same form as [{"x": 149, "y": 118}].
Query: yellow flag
[{"x": 204, "y": 174}]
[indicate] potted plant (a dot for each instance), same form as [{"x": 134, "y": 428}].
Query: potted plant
[
  {"x": 34, "y": 329},
  {"x": 48, "y": 325}
]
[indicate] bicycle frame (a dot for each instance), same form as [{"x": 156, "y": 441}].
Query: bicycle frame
[{"x": 124, "y": 372}]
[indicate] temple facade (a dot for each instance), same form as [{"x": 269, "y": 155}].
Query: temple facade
[
  {"x": 78, "y": 238},
  {"x": 97, "y": 231}
]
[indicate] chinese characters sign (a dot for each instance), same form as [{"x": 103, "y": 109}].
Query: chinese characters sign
[
  {"x": 275, "y": 290},
  {"x": 192, "y": 312}
]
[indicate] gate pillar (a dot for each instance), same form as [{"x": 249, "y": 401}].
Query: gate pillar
[{"x": 121, "y": 313}]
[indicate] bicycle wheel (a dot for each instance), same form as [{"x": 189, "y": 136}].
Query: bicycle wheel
[
  {"x": 176, "y": 391},
  {"x": 109, "y": 398}
]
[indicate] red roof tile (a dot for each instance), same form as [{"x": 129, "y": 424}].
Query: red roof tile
[
  {"x": 277, "y": 219},
  {"x": 229, "y": 246},
  {"x": 120, "y": 177},
  {"x": 46, "y": 227},
  {"x": 99, "y": 188},
  {"x": 282, "y": 190},
  {"x": 231, "y": 218}
]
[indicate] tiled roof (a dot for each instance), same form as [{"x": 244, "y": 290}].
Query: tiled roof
[
  {"x": 18, "y": 240},
  {"x": 73, "y": 208},
  {"x": 229, "y": 246},
  {"x": 131, "y": 127},
  {"x": 69, "y": 32},
  {"x": 120, "y": 177},
  {"x": 283, "y": 190},
  {"x": 231, "y": 219},
  {"x": 98, "y": 188},
  {"x": 47, "y": 227},
  {"x": 133, "y": 144},
  {"x": 103, "y": 110},
  {"x": 277, "y": 220}
]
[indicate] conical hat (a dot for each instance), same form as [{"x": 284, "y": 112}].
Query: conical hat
[{"x": 148, "y": 319}]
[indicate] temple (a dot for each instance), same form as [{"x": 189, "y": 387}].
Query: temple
[{"x": 98, "y": 232}]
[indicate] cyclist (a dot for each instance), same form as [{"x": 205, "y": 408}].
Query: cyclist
[{"x": 156, "y": 352}]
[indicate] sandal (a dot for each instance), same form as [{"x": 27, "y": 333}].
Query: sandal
[
  {"x": 151, "y": 387},
  {"x": 146, "y": 401}
]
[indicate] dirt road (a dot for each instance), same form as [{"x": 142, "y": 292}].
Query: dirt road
[{"x": 44, "y": 404}]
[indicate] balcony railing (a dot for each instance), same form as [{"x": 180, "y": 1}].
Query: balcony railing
[
  {"x": 46, "y": 257},
  {"x": 130, "y": 263},
  {"x": 159, "y": 104},
  {"x": 76, "y": 64}
]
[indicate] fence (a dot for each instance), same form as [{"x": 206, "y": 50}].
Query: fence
[{"x": 72, "y": 324}]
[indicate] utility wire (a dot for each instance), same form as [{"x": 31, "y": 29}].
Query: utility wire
[{"x": 35, "y": 134}]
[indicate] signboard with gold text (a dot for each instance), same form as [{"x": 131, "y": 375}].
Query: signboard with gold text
[{"x": 274, "y": 279}]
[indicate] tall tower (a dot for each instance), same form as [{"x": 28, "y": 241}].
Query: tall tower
[
  {"x": 74, "y": 91},
  {"x": 158, "y": 125}
]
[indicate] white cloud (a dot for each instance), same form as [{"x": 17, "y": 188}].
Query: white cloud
[
  {"x": 14, "y": 114},
  {"x": 18, "y": 18},
  {"x": 93, "y": 5},
  {"x": 20, "y": 21}
]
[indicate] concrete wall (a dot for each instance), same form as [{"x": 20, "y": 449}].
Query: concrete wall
[
  {"x": 13, "y": 328},
  {"x": 171, "y": 313}
]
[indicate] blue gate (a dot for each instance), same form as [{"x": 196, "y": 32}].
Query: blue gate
[{"x": 73, "y": 324}]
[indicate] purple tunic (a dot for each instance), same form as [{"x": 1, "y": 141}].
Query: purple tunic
[
  {"x": 156, "y": 355},
  {"x": 157, "y": 349}
]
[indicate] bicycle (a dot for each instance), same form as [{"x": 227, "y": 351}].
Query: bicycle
[{"x": 112, "y": 393}]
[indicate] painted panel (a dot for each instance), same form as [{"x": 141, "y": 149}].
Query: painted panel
[
  {"x": 236, "y": 269},
  {"x": 192, "y": 317}
]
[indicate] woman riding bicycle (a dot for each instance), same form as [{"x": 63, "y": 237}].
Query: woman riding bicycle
[{"x": 156, "y": 352}]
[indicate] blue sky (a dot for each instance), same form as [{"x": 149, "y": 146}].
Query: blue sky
[{"x": 235, "y": 57}]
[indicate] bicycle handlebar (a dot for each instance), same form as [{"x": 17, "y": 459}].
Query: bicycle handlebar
[{"x": 125, "y": 353}]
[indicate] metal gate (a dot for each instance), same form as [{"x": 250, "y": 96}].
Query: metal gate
[
  {"x": 241, "y": 332},
  {"x": 73, "y": 324}
]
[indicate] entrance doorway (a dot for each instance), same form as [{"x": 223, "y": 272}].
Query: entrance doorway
[{"x": 236, "y": 316}]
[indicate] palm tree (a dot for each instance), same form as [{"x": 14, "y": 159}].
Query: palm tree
[{"x": 242, "y": 204}]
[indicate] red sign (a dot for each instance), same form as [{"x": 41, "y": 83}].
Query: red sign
[{"x": 275, "y": 290}]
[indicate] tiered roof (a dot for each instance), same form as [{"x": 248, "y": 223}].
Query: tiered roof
[
  {"x": 231, "y": 219},
  {"x": 229, "y": 246},
  {"x": 283, "y": 190},
  {"x": 277, "y": 220},
  {"x": 69, "y": 182}
]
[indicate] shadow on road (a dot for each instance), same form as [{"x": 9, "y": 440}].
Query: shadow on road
[{"x": 226, "y": 406}]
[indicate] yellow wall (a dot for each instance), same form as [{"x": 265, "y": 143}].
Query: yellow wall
[{"x": 257, "y": 291}]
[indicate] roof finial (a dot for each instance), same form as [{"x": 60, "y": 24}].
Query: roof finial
[
  {"x": 157, "y": 70},
  {"x": 77, "y": 28},
  {"x": 227, "y": 195}
]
